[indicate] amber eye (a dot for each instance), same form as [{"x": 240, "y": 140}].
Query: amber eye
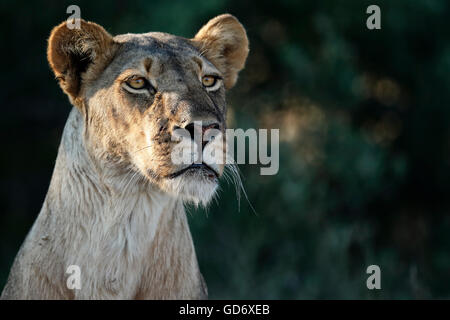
[
  {"x": 136, "y": 82},
  {"x": 209, "y": 81}
]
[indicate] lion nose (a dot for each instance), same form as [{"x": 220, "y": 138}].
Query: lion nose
[{"x": 198, "y": 131}]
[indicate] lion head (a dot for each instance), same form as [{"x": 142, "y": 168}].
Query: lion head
[{"x": 134, "y": 91}]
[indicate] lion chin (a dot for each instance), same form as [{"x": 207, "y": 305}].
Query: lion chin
[{"x": 194, "y": 188}]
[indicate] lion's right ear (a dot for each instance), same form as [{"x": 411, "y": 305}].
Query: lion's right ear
[
  {"x": 224, "y": 42},
  {"x": 78, "y": 55}
]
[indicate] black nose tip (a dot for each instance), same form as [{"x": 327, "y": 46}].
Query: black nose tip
[
  {"x": 200, "y": 129},
  {"x": 191, "y": 129}
]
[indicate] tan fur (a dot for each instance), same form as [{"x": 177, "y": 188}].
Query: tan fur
[
  {"x": 224, "y": 42},
  {"x": 91, "y": 41},
  {"x": 114, "y": 207}
]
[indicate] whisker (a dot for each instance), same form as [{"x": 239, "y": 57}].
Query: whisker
[
  {"x": 141, "y": 149},
  {"x": 131, "y": 179},
  {"x": 232, "y": 175}
]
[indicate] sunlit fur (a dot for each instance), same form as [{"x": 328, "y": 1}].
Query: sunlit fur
[{"x": 114, "y": 207}]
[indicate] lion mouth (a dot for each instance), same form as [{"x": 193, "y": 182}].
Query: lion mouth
[{"x": 210, "y": 172}]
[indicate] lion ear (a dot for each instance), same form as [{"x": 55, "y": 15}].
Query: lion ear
[
  {"x": 77, "y": 55},
  {"x": 224, "y": 42}
]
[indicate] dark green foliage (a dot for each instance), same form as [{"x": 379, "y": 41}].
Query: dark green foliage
[{"x": 364, "y": 118}]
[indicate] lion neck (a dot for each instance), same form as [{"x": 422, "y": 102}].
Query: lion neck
[
  {"x": 113, "y": 220},
  {"x": 100, "y": 189},
  {"x": 114, "y": 228}
]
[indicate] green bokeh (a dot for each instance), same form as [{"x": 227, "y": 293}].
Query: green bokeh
[{"x": 364, "y": 120}]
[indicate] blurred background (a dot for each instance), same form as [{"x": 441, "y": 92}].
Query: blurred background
[{"x": 364, "y": 120}]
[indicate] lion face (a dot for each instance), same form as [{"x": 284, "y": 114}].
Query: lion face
[
  {"x": 147, "y": 98},
  {"x": 158, "y": 84}
]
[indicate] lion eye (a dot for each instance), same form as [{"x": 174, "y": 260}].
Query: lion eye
[
  {"x": 136, "y": 82},
  {"x": 209, "y": 81}
]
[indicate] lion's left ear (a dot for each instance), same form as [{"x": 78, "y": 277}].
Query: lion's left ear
[{"x": 224, "y": 42}]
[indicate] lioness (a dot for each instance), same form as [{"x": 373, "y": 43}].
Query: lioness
[{"x": 114, "y": 207}]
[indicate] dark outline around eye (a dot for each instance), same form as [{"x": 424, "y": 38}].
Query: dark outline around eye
[
  {"x": 147, "y": 85},
  {"x": 215, "y": 77}
]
